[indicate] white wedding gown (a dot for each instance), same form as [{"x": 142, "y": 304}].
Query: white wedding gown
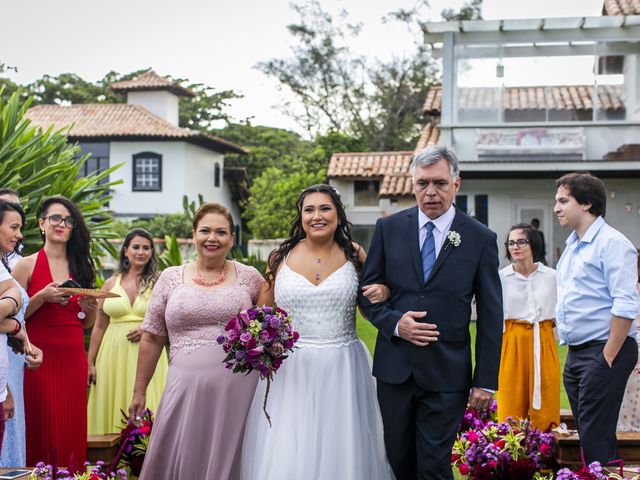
[{"x": 322, "y": 403}]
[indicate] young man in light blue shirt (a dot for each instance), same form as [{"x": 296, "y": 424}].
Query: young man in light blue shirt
[{"x": 597, "y": 304}]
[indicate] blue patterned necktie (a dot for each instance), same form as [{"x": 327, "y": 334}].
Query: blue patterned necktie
[{"x": 428, "y": 252}]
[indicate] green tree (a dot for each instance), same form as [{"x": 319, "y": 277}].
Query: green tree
[
  {"x": 41, "y": 163},
  {"x": 272, "y": 204},
  {"x": 379, "y": 103},
  {"x": 200, "y": 112},
  {"x": 268, "y": 147}
]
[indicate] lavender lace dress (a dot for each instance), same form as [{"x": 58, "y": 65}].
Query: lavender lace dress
[{"x": 201, "y": 417}]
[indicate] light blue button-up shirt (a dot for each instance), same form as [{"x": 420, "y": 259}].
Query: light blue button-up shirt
[{"x": 596, "y": 278}]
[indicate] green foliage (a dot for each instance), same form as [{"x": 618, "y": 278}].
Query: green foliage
[
  {"x": 191, "y": 207},
  {"x": 199, "y": 112},
  {"x": 41, "y": 163},
  {"x": 469, "y": 11},
  {"x": 169, "y": 224},
  {"x": 272, "y": 204},
  {"x": 252, "y": 260},
  {"x": 171, "y": 256},
  {"x": 379, "y": 103},
  {"x": 268, "y": 147}
]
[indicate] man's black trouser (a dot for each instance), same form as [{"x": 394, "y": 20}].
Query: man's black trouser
[{"x": 595, "y": 392}]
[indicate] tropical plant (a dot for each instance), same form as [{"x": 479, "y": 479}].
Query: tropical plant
[
  {"x": 171, "y": 256},
  {"x": 40, "y": 164}
]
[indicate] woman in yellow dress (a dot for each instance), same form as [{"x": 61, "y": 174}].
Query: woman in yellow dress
[{"x": 113, "y": 350}]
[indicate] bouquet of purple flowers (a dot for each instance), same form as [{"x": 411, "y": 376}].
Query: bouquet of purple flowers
[
  {"x": 507, "y": 450},
  {"x": 259, "y": 338}
]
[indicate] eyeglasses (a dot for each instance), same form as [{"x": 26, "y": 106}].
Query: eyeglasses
[
  {"x": 422, "y": 185},
  {"x": 520, "y": 243},
  {"x": 56, "y": 220}
]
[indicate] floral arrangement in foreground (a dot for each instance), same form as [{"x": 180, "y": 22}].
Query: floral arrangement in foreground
[
  {"x": 134, "y": 440},
  {"x": 258, "y": 339},
  {"x": 593, "y": 471},
  {"x": 49, "y": 472},
  {"x": 487, "y": 449}
]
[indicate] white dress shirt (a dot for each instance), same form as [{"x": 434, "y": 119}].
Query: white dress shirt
[
  {"x": 441, "y": 226},
  {"x": 530, "y": 299}
]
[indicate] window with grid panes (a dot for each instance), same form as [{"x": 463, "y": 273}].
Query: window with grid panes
[{"x": 147, "y": 172}]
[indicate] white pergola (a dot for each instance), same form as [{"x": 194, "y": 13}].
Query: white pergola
[{"x": 573, "y": 36}]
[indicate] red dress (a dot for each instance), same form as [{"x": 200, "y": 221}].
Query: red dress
[{"x": 55, "y": 395}]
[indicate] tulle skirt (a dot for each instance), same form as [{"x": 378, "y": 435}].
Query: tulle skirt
[{"x": 325, "y": 416}]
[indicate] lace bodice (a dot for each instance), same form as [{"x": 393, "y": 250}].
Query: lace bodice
[
  {"x": 325, "y": 314},
  {"x": 193, "y": 317}
]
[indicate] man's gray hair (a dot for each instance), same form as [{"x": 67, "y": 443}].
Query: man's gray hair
[{"x": 433, "y": 154}]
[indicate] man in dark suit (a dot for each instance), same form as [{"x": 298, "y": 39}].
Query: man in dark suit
[{"x": 435, "y": 259}]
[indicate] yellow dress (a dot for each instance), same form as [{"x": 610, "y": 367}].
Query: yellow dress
[{"x": 116, "y": 365}]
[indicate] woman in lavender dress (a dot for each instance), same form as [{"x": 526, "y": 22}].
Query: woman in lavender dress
[{"x": 200, "y": 420}]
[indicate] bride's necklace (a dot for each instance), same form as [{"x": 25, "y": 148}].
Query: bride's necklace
[
  {"x": 200, "y": 280},
  {"x": 320, "y": 264}
]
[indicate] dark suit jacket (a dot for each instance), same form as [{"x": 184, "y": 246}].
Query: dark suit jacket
[{"x": 459, "y": 273}]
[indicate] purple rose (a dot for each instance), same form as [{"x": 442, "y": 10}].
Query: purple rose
[
  {"x": 220, "y": 339},
  {"x": 264, "y": 336},
  {"x": 245, "y": 337},
  {"x": 240, "y": 355},
  {"x": 274, "y": 322}
]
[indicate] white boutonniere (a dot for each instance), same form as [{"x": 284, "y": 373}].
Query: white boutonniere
[{"x": 453, "y": 238}]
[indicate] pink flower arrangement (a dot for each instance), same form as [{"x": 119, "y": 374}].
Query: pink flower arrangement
[
  {"x": 486, "y": 449},
  {"x": 134, "y": 440},
  {"x": 95, "y": 472},
  {"x": 259, "y": 338}
]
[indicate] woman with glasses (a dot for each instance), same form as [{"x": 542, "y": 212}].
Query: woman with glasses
[
  {"x": 55, "y": 395},
  {"x": 529, "y": 378},
  {"x": 113, "y": 350}
]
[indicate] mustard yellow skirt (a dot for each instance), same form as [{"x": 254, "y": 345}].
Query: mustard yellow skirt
[{"x": 516, "y": 377}]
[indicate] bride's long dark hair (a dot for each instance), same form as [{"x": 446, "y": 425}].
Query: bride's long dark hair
[{"x": 342, "y": 235}]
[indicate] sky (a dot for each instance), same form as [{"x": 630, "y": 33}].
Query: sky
[{"x": 215, "y": 42}]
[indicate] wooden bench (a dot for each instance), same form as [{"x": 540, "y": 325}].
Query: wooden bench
[
  {"x": 102, "y": 447},
  {"x": 566, "y": 417},
  {"x": 568, "y": 448}
]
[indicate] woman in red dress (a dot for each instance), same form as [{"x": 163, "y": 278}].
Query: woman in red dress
[{"x": 55, "y": 395}]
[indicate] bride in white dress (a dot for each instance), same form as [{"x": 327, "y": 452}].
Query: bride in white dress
[{"x": 322, "y": 402}]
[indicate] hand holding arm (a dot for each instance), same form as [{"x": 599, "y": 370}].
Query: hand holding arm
[
  {"x": 377, "y": 292},
  {"x": 418, "y": 333}
]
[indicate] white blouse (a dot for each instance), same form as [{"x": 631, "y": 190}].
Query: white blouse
[{"x": 530, "y": 299}]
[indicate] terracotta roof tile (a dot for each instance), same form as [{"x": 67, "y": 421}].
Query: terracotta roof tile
[
  {"x": 563, "y": 97},
  {"x": 369, "y": 164},
  {"x": 150, "y": 80},
  {"x": 430, "y": 136},
  {"x": 393, "y": 168},
  {"x": 120, "y": 120},
  {"x": 621, "y": 7}
]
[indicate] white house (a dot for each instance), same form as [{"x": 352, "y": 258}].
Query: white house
[
  {"x": 161, "y": 161},
  {"x": 515, "y": 127}
]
